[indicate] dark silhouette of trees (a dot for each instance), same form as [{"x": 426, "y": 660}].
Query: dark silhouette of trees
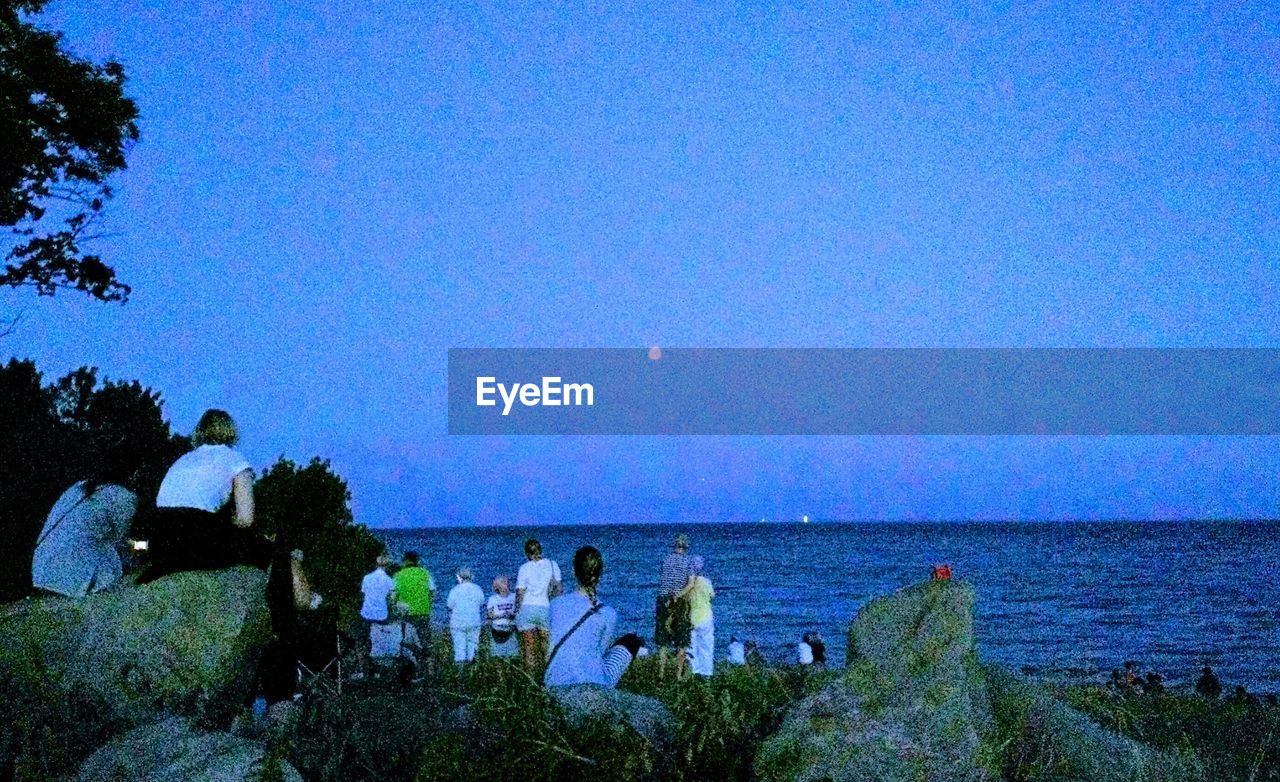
[
  {"x": 54, "y": 435},
  {"x": 308, "y": 507},
  {"x": 65, "y": 126}
]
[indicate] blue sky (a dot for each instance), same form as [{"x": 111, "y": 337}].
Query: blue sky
[{"x": 325, "y": 200}]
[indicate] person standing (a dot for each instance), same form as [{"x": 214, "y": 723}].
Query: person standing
[
  {"x": 702, "y": 629},
  {"x": 537, "y": 581},
  {"x": 377, "y": 588},
  {"x": 501, "y": 613},
  {"x": 466, "y": 604},
  {"x": 415, "y": 587},
  {"x": 583, "y": 649},
  {"x": 289, "y": 593},
  {"x": 671, "y": 614}
]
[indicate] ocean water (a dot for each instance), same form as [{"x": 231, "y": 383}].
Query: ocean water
[{"x": 1061, "y": 601}]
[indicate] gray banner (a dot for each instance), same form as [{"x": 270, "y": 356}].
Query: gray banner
[{"x": 910, "y": 391}]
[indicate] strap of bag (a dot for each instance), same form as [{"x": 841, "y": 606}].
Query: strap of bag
[
  {"x": 596, "y": 605},
  {"x": 83, "y": 496}
]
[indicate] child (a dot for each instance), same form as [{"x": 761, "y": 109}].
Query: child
[
  {"x": 501, "y": 611},
  {"x": 702, "y": 634}
]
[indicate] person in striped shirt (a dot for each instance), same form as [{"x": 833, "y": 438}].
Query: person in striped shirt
[{"x": 671, "y": 625}]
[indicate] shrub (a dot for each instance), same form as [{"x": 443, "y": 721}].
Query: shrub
[{"x": 1237, "y": 739}]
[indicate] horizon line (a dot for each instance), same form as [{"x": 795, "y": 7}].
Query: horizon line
[{"x": 830, "y": 522}]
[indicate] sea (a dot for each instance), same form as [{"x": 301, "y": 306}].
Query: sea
[{"x": 1059, "y": 601}]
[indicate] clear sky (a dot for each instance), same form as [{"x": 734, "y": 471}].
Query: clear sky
[{"x": 325, "y": 199}]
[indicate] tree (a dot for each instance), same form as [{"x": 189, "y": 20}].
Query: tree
[
  {"x": 66, "y": 126},
  {"x": 308, "y": 508},
  {"x": 54, "y": 435}
]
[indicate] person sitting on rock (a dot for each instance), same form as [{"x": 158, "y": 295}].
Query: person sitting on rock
[
  {"x": 804, "y": 651},
  {"x": 204, "y": 511},
  {"x": 737, "y": 651},
  {"x": 1242, "y": 695},
  {"x": 77, "y": 552},
  {"x": 1154, "y": 683},
  {"x": 1208, "y": 684},
  {"x": 1117, "y": 681},
  {"x": 817, "y": 647},
  {"x": 583, "y": 647}
]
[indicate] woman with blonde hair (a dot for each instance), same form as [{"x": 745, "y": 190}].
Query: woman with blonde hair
[{"x": 204, "y": 511}]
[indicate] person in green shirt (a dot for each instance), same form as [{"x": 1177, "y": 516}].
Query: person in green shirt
[{"x": 414, "y": 587}]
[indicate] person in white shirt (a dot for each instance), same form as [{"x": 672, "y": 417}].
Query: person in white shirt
[
  {"x": 77, "y": 551},
  {"x": 536, "y": 583},
  {"x": 204, "y": 509},
  {"x": 378, "y": 589},
  {"x": 501, "y": 612},
  {"x": 466, "y": 612},
  {"x": 737, "y": 652},
  {"x": 811, "y": 650},
  {"x": 804, "y": 652}
]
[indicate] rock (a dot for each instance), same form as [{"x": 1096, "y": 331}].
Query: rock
[
  {"x": 1064, "y": 745},
  {"x": 172, "y": 751},
  {"x": 621, "y": 735},
  {"x": 80, "y": 670},
  {"x": 911, "y": 705},
  {"x": 584, "y": 703}
]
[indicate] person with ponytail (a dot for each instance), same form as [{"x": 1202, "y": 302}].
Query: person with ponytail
[{"x": 583, "y": 648}]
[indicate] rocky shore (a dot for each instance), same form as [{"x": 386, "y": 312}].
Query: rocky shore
[{"x": 145, "y": 683}]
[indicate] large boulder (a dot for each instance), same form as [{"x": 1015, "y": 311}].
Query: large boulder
[
  {"x": 583, "y": 704},
  {"x": 1064, "y": 745},
  {"x": 172, "y": 751},
  {"x": 911, "y": 705},
  {"x": 76, "y": 671}
]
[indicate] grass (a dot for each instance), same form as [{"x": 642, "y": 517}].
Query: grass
[
  {"x": 467, "y": 722},
  {"x": 1237, "y": 740}
]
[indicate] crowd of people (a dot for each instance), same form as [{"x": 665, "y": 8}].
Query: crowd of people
[
  {"x": 569, "y": 638},
  {"x": 204, "y": 519}
]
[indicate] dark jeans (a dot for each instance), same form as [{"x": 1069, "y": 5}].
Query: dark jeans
[{"x": 191, "y": 539}]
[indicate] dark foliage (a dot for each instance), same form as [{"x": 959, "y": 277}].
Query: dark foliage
[
  {"x": 308, "y": 508},
  {"x": 66, "y": 126},
  {"x": 54, "y": 435},
  {"x": 1237, "y": 738}
]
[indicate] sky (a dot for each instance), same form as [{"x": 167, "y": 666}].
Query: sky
[{"x": 325, "y": 200}]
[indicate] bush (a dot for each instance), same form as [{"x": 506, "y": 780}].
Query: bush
[
  {"x": 1236, "y": 739},
  {"x": 507, "y": 717}
]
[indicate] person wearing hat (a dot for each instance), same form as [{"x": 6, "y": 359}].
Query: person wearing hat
[{"x": 671, "y": 614}]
